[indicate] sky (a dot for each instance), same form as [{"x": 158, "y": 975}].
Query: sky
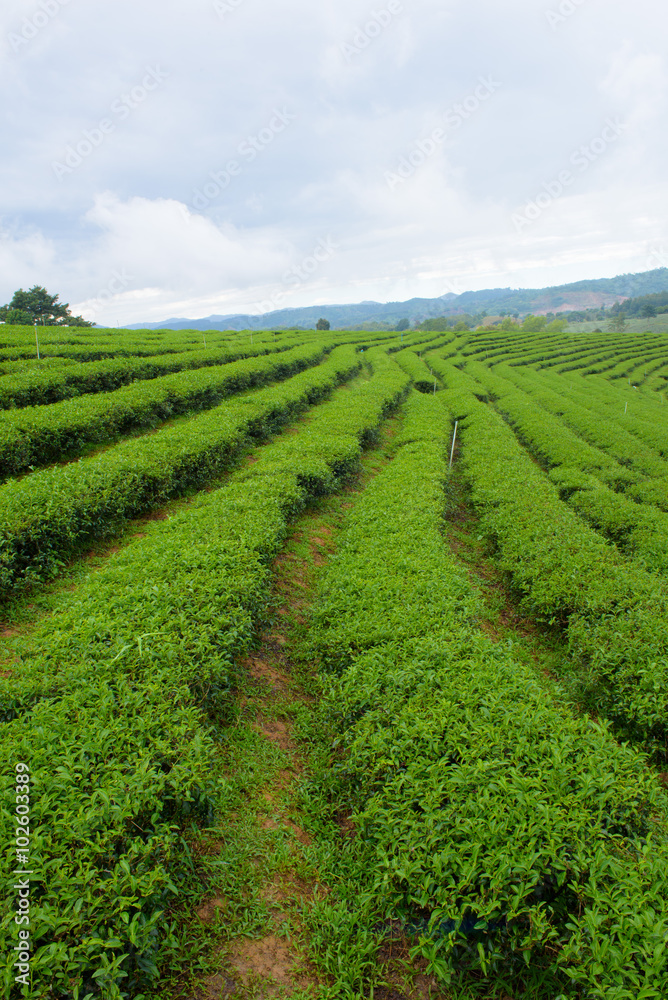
[{"x": 182, "y": 158}]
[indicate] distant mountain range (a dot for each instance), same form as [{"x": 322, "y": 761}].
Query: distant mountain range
[{"x": 559, "y": 298}]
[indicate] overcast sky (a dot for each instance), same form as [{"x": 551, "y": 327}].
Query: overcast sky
[{"x": 169, "y": 158}]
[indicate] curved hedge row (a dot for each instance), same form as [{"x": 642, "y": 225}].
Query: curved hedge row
[
  {"x": 608, "y": 434},
  {"x": 421, "y": 374},
  {"x": 551, "y": 441},
  {"x": 490, "y": 823},
  {"x": 38, "y": 435},
  {"x": 37, "y": 386},
  {"x": 44, "y": 517},
  {"x": 115, "y": 696},
  {"x": 94, "y": 344},
  {"x": 615, "y": 614},
  {"x": 644, "y": 420},
  {"x": 24, "y": 366},
  {"x": 581, "y": 473},
  {"x": 619, "y": 435}
]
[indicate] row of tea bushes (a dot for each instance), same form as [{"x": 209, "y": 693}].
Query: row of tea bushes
[
  {"x": 37, "y": 435},
  {"x": 422, "y": 376},
  {"x": 117, "y": 701},
  {"x": 634, "y": 462},
  {"x": 32, "y": 364},
  {"x": 39, "y": 386},
  {"x": 94, "y": 344},
  {"x": 584, "y": 474},
  {"x": 581, "y": 417},
  {"x": 491, "y": 825},
  {"x": 614, "y": 613},
  {"x": 44, "y": 517},
  {"x": 642, "y": 421},
  {"x": 552, "y": 442},
  {"x": 644, "y": 416}
]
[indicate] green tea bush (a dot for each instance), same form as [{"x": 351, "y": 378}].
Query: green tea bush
[
  {"x": 46, "y": 515},
  {"x": 118, "y": 699},
  {"x": 636, "y": 528},
  {"x": 423, "y": 377},
  {"x": 490, "y": 823},
  {"x": 607, "y": 434},
  {"x": 553, "y": 443},
  {"x": 37, "y": 386},
  {"x": 39, "y": 434},
  {"x": 18, "y": 343},
  {"x": 614, "y": 613}
]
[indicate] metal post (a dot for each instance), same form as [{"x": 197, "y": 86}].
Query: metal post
[
  {"x": 36, "y": 341},
  {"x": 454, "y": 437}
]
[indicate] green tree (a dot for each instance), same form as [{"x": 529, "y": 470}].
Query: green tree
[
  {"x": 15, "y": 317},
  {"x": 437, "y": 324},
  {"x": 322, "y": 324},
  {"x": 38, "y": 306},
  {"x": 556, "y": 326},
  {"x": 648, "y": 311},
  {"x": 617, "y": 324},
  {"x": 508, "y": 323},
  {"x": 403, "y": 324},
  {"x": 534, "y": 324}
]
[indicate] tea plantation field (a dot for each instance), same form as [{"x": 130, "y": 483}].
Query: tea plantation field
[{"x": 334, "y": 664}]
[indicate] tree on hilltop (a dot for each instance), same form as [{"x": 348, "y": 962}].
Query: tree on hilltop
[
  {"x": 534, "y": 324},
  {"x": 38, "y": 306}
]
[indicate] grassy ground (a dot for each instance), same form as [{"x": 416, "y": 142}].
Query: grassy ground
[{"x": 652, "y": 324}]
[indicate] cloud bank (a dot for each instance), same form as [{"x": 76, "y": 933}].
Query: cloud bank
[{"x": 186, "y": 157}]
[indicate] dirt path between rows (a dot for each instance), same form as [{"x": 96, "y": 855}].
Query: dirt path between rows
[{"x": 276, "y": 963}]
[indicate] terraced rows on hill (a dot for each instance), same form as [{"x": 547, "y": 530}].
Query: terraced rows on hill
[{"x": 480, "y": 811}]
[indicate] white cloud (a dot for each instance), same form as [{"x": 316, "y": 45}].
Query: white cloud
[
  {"x": 128, "y": 208},
  {"x": 23, "y": 257},
  {"x": 161, "y": 245}
]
